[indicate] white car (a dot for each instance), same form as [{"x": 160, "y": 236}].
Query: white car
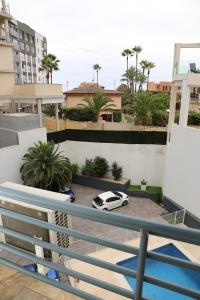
[{"x": 110, "y": 200}]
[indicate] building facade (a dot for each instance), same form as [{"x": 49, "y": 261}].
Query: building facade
[
  {"x": 28, "y": 51},
  {"x": 161, "y": 87},
  {"x": 86, "y": 89}
]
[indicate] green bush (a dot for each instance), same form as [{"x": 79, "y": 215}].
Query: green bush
[
  {"x": 97, "y": 167},
  {"x": 88, "y": 168},
  {"x": 160, "y": 118},
  {"x": 116, "y": 171},
  {"x": 117, "y": 116},
  {"x": 193, "y": 118},
  {"x": 79, "y": 114},
  {"x": 74, "y": 169},
  {"x": 100, "y": 166}
]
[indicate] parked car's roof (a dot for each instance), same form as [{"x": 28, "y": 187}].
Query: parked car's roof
[{"x": 106, "y": 195}]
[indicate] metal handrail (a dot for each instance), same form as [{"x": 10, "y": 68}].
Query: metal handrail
[{"x": 145, "y": 227}]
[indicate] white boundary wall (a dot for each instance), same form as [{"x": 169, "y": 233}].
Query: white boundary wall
[
  {"x": 11, "y": 157},
  {"x": 137, "y": 161},
  {"x": 182, "y": 171}
]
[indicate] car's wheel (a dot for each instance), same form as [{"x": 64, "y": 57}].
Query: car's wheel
[
  {"x": 105, "y": 208},
  {"x": 125, "y": 203}
]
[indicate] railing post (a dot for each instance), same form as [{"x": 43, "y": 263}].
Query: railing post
[{"x": 141, "y": 263}]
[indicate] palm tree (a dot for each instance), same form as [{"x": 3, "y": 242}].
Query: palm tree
[
  {"x": 49, "y": 64},
  {"x": 141, "y": 78},
  {"x": 136, "y": 50},
  {"x": 45, "y": 167},
  {"x": 127, "y": 53},
  {"x": 143, "y": 107},
  {"x": 97, "y": 68},
  {"x": 130, "y": 76},
  {"x": 98, "y": 104},
  {"x": 150, "y": 66}
]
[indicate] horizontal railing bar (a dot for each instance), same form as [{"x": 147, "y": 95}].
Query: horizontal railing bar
[
  {"x": 174, "y": 261},
  {"x": 63, "y": 286},
  {"x": 68, "y": 231},
  {"x": 172, "y": 286},
  {"x": 99, "y": 263},
  {"x": 102, "y": 284},
  {"x": 128, "y": 222},
  {"x": 64, "y": 251},
  {"x": 103, "y": 242}
]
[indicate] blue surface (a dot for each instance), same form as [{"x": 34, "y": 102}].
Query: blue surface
[{"x": 174, "y": 274}]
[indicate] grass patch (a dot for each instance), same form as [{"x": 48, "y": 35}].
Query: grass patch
[
  {"x": 134, "y": 188},
  {"x": 154, "y": 190}
]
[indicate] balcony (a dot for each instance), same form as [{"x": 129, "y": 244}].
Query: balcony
[
  {"x": 38, "y": 90},
  {"x": 94, "y": 284}
]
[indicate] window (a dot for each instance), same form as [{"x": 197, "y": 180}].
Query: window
[
  {"x": 27, "y": 37},
  {"x": 21, "y": 34},
  {"x": 32, "y": 50},
  {"x": 32, "y": 39},
  {"x": 112, "y": 199},
  {"x": 22, "y": 46},
  {"x": 28, "y": 48}
]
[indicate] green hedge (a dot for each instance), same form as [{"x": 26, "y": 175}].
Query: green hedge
[
  {"x": 160, "y": 118},
  {"x": 194, "y": 118},
  {"x": 78, "y": 114},
  {"x": 108, "y": 136},
  {"x": 117, "y": 116}
]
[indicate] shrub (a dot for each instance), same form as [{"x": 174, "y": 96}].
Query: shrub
[
  {"x": 97, "y": 167},
  {"x": 116, "y": 171},
  {"x": 100, "y": 166},
  {"x": 74, "y": 169},
  {"x": 88, "y": 168},
  {"x": 160, "y": 118},
  {"x": 143, "y": 182},
  {"x": 193, "y": 118},
  {"x": 79, "y": 114},
  {"x": 117, "y": 116}
]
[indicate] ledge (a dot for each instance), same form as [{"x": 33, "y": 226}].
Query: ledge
[{"x": 104, "y": 184}]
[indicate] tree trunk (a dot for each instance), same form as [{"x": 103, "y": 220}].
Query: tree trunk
[
  {"x": 127, "y": 70},
  {"x": 97, "y": 78},
  {"x": 51, "y": 78},
  {"x": 47, "y": 77},
  {"x": 136, "y": 64},
  {"x": 148, "y": 79}
]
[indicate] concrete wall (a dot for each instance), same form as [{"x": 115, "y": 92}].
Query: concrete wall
[
  {"x": 137, "y": 161},
  {"x": 11, "y": 157},
  {"x": 7, "y": 74},
  {"x": 181, "y": 182},
  {"x": 19, "y": 121},
  {"x": 8, "y": 138}
]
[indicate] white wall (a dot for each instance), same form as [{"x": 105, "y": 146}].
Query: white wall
[
  {"x": 137, "y": 161},
  {"x": 11, "y": 157},
  {"x": 182, "y": 173}
]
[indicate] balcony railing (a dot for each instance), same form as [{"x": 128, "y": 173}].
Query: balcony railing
[{"x": 146, "y": 228}]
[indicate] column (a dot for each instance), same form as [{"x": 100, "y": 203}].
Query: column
[
  {"x": 57, "y": 119},
  {"x": 39, "y": 106},
  {"x": 33, "y": 108},
  {"x": 18, "y": 107},
  {"x": 185, "y": 102},
  {"x": 172, "y": 110}
]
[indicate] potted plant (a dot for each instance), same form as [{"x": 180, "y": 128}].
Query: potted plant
[{"x": 143, "y": 185}]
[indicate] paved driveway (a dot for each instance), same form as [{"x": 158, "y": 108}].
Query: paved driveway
[{"x": 137, "y": 207}]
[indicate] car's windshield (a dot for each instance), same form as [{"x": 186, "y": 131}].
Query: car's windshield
[{"x": 117, "y": 194}]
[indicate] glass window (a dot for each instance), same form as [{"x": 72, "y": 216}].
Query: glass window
[{"x": 22, "y": 46}]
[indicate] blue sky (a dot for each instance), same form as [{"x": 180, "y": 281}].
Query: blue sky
[{"x": 85, "y": 32}]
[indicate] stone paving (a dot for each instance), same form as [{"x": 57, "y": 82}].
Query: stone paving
[{"x": 137, "y": 207}]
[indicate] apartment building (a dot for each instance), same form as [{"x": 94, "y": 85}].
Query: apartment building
[
  {"x": 28, "y": 51},
  {"x": 161, "y": 87}
]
